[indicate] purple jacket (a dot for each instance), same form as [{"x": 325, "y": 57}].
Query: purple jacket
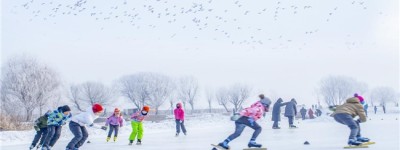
[{"x": 114, "y": 120}]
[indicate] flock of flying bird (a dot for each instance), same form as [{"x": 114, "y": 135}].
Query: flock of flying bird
[{"x": 191, "y": 17}]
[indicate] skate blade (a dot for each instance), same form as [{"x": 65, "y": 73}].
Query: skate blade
[
  {"x": 218, "y": 147},
  {"x": 351, "y": 147},
  {"x": 368, "y": 143}
]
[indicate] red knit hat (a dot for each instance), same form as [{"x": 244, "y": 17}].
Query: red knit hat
[
  {"x": 146, "y": 108},
  {"x": 97, "y": 108}
]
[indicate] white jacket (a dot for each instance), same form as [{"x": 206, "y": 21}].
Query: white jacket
[{"x": 85, "y": 118}]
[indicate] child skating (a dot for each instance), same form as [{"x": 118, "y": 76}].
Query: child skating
[
  {"x": 55, "y": 121},
  {"x": 248, "y": 118},
  {"x": 41, "y": 131},
  {"x": 78, "y": 123},
  {"x": 345, "y": 113},
  {"x": 179, "y": 114},
  {"x": 137, "y": 125},
  {"x": 114, "y": 122}
]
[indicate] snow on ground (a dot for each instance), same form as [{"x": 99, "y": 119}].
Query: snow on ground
[{"x": 323, "y": 134}]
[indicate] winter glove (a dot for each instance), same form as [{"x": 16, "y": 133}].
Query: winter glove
[
  {"x": 358, "y": 121},
  {"x": 36, "y": 128},
  {"x": 181, "y": 121},
  {"x": 251, "y": 121},
  {"x": 332, "y": 108},
  {"x": 104, "y": 128}
]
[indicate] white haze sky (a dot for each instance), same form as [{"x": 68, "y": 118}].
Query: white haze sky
[{"x": 263, "y": 43}]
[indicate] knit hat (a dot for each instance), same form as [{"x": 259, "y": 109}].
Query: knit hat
[
  {"x": 116, "y": 110},
  {"x": 360, "y": 98},
  {"x": 261, "y": 96},
  {"x": 97, "y": 108},
  {"x": 146, "y": 108},
  {"x": 265, "y": 101},
  {"x": 65, "y": 108}
]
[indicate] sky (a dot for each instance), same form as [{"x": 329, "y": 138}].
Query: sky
[{"x": 281, "y": 48}]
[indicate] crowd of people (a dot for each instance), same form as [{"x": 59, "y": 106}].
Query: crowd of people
[{"x": 49, "y": 125}]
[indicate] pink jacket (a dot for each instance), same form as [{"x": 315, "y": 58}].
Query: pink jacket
[
  {"x": 179, "y": 114},
  {"x": 255, "y": 111},
  {"x": 138, "y": 117}
]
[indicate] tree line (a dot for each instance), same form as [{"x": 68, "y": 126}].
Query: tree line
[{"x": 29, "y": 85}]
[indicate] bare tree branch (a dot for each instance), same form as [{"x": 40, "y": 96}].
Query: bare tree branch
[
  {"x": 188, "y": 90},
  {"x": 29, "y": 83},
  {"x": 335, "y": 89}
]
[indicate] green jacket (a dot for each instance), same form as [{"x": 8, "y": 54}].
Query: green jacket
[{"x": 41, "y": 122}]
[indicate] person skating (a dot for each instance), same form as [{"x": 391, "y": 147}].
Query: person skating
[
  {"x": 248, "y": 118},
  {"x": 291, "y": 112},
  {"x": 41, "y": 130},
  {"x": 311, "y": 113},
  {"x": 179, "y": 114},
  {"x": 137, "y": 125},
  {"x": 319, "y": 112},
  {"x": 55, "y": 121},
  {"x": 114, "y": 122},
  {"x": 345, "y": 115},
  {"x": 78, "y": 124},
  {"x": 303, "y": 113},
  {"x": 276, "y": 113}
]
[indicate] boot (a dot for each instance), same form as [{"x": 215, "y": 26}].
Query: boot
[
  {"x": 130, "y": 142},
  {"x": 115, "y": 138},
  {"x": 139, "y": 142},
  {"x": 363, "y": 139},
  {"x": 108, "y": 139},
  {"x": 253, "y": 143},
  {"x": 354, "y": 142},
  {"x": 224, "y": 145}
]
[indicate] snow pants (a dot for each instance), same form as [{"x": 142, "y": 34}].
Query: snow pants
[
  {"x": 40, "y": 135},
  {"x": 241, "y": 123},
  {"x": 114, "y": 128},
  {"x": 137, "y": 130},
  {"x": 180, "y": 125},
  {"x": 53, "y": 134},
  {"x": 80, "y": 135},
  {"x": 354, "y": 126}
]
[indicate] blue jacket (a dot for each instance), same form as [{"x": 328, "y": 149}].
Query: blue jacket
[
  {"x": 57, "y": 118},
  {"x": 276, "y": 110},
  {"x": 291, "y": 109},
  {"x": 303, "y": 111}
]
